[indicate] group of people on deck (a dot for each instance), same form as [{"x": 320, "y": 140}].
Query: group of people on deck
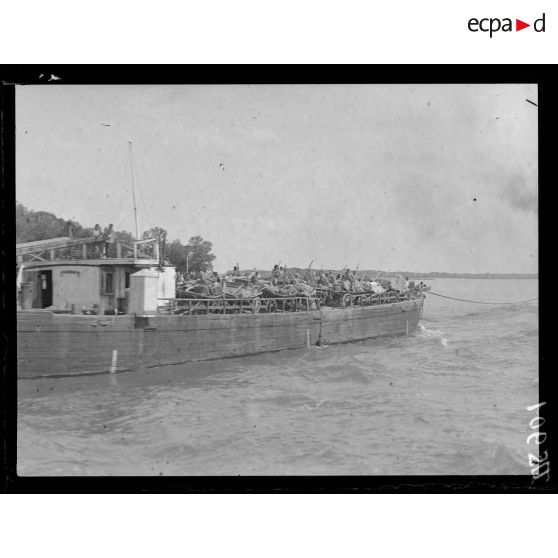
[
  {"x": 346, "y": 280},
  {"x": 282, "y": 278},
  {"x": 106, "y": 239}
]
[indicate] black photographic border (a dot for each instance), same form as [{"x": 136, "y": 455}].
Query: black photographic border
[{"x": 323, "y": 74}]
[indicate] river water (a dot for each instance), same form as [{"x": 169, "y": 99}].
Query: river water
[{"x": 448, "y": 399}]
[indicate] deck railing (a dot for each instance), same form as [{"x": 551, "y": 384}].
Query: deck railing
[
  {"x": 66, "y": 248},
  {"x": 373, "y": 299},
  {"x": 259, "y": 305},
  {"x": 224, "y": 305}
]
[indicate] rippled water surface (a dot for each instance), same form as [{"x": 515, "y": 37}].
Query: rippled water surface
[{"x": 447, "y": 399}]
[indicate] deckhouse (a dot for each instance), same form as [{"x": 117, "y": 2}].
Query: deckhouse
[{"x": 86, "y": 275}]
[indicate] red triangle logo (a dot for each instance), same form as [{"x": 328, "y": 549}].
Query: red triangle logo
[{"x": 519, "y": 25}]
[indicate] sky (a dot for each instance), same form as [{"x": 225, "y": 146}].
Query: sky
[{"x": 393, "y": 177}]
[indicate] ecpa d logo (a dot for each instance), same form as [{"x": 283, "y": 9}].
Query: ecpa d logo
[{"x": 494, "y": 24}]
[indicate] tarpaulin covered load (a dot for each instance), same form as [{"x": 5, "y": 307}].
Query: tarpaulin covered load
[
  {"x": 200, "y": 288},
  {"x": 297, "y": 289},
  {"x": 241, "y": 289}
]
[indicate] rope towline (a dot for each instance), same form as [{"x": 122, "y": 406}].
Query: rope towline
[{"x": 479, "y": 301}]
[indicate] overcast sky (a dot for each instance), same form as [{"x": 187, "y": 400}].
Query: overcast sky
[{"x": 414, "y": 177}]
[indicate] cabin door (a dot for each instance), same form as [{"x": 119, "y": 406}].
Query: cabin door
[{"x": 45, "y": 282}]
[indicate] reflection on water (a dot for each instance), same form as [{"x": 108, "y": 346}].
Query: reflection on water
[{"x": 448, "y": 399}]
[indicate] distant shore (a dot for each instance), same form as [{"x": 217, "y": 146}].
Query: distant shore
[
  {"x": 473, "y": 275},
  {"x": 413, "y": 275}
]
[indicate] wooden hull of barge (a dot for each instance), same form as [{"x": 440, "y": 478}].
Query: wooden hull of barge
[{"x": 63, "y": 345}]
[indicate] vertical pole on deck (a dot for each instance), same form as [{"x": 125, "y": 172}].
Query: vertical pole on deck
[{"x": 134, "y": 193}]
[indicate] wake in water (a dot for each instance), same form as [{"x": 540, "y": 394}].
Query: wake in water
[
  {"x": 425, "y": 332},
  {"x": 434, "y": 334}
]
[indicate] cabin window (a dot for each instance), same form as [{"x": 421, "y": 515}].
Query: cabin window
[
  {"x": 107, "y": 283},
  {"x": 127, "y": 280}
]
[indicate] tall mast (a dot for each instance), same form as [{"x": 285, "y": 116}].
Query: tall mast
[{"x": 134, "y": 192}]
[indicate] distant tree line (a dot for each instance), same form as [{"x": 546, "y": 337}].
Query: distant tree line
[
  {"x": 194, "y": 256},
  {"x": 42, "y": 225}
]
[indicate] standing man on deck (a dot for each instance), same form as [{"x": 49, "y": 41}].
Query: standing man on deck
[
  {"x": 97, "y": 233},
  {"x": 109, "y": 240}
]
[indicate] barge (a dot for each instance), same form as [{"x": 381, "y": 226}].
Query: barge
[{"x": 87, "y": 315}]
